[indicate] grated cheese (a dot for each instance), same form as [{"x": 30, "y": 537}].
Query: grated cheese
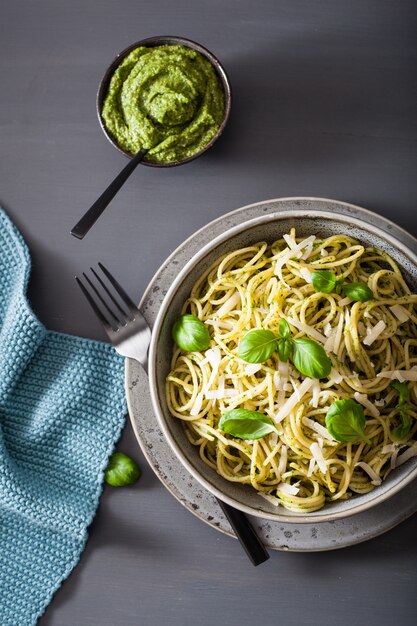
[
  {"x": 315, "y": 397},
  {"x": 327, "y": 329},
  {"x": 311, "y": 467},
  {"x": 287, "y": 489},
  {"x": 373, "y": 334},
  {"x": 196, "y": 408},
  {"x": 375, "y": 479},
  {"x": 344, "y": 301},
  {"x": 294, "y": 399},
  {"x": 252, "y": 368},
  {"x": 362, "y": 398},
  {"x": 401, "y": 375},
  {"x": 318, "y": 428},
  {"x": 318, "y": 457},
  {"x": 229, "y": 305},
  {"x": 335, "y": 376},
  {"x": 408, "y": 454},
  {"x": 400, "y": 313},
  {"x": 308, "y": 330},
  {"x": 306, "y": 274},
  {"x": 282, "y": 461}
]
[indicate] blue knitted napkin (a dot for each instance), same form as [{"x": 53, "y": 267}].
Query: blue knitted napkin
[{"x": 62, "y": 407}]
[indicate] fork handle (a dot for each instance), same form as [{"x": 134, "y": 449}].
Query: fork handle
[
  {"x": 249, "y": 540},
  {"x": 94, "y": 212}
]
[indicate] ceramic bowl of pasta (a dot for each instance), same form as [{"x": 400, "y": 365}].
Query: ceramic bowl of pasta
[{"x": 283, "y": 364}]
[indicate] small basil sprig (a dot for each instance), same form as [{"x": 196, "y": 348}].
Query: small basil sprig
[
  {"x": 345, "y": 421},
  {"x": 308, "y": 357},
  {"x": 405, "y": 420},
  {"x": 190, "y": 334},
  {"x": 245, "y": 424},
  {"x": 358, "y": 292},
  {"x": 326, "y": 281},
  {"x": 121, "y": 470},
  {"x": 257, "y": 346}
]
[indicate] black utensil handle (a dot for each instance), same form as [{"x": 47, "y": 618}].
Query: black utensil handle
[
  {"x": 93, "y": 213},
  {"x": 250, "y": 541}
]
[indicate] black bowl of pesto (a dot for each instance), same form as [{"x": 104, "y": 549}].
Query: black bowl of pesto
[{"x": 167, "y": 95}]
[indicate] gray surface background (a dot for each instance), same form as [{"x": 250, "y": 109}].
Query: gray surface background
[{"x": 324, "y": 104}]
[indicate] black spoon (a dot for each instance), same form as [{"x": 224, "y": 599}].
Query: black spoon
[{"x": 88, "y": 219}]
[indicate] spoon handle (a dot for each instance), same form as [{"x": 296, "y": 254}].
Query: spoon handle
[
  {"x": 94, "y": 212},
  {"x": 249, "y": 540}
]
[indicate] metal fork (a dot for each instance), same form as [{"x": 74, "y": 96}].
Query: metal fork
[{"x": 130, "y": 334}]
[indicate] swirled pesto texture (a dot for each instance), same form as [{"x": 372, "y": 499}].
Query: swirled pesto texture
[{"x": 167, "y": 99}]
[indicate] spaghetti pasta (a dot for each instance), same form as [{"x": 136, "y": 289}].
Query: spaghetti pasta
[{"x": 300, "y": 465}]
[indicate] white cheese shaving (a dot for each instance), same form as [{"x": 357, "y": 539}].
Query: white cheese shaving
[
  {"x": 316, "y": 392},
  {"x": 308, "y": 330},
  {"x": 401, "y": 375},
  {"x": 323, "y": 252},
  {"x": 311, "y": 467},
  {"x": 252, "y": 368},
  {"x": 344, "y": 301},
  {"x": 318, "y": 456},
  {"x": 318, "y": 428},
  {"x": 229, "y": 305},
  {"x": 196, "y": 408},
  {"x": 272, "y": 499},
  {"x": 306, "y": 274},
  {"x": 287, "y": 489},
  {"x": 375, "y": 479},
  {"x": 283, "y": 368},
  {"x": 408, "y": 454},
  {"x": 295, "y": 249},
  {"x": 330, "y": 341},
  {"x": 362, "y": 398},
  {"x": 327, "y": 329},
  {"x": 379, "y": 403},
  {"x": 339, "y": 333},
  {"x": 308, "y": 251},
  {"x": 213, "y": 357},
  {"x": 373, "y": 334},
  {"x": 400, "y": 313},
  {"x": 335, "y": 376},
  {"x": 277, "y": 381},
  {"x": 282, "y": 461},
  {"x": 389, "y": 448},
  {"x": 294, "y": 399}
]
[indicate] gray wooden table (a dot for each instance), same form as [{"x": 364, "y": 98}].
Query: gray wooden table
[{"x": 324, "y": 104}]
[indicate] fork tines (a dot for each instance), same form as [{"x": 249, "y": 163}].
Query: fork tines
[{"x": 112, "y": 313}]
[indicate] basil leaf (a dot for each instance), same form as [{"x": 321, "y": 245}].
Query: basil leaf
[
  {"x": 359, "y": 292},
  {"x": 190, "y": 334},
  {"x": 121, "y": 470},
  {"x": 245, "y": 424},
  {"x": 284, "y": 329},
  {"x": 404, "y": 427},
  {"x": 257, "y": 346},
  {"x": 403, "y": 391},
  {"x": 310, "y": 358},
  {"x": 345, "y": 421},
  {"x": 339, "y": 284},
  {"x": 324, "y": 281},
  {"x": 284, "y": 347}
]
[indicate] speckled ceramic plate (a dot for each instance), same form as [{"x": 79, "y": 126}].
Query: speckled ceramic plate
[{"x": 276, "y": 534}]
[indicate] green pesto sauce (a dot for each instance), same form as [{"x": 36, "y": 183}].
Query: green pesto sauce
[{"x": 166, "y": 99}]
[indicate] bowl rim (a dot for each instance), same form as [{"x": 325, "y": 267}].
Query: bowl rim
[
  {"x": 159, "y": 40},
  {"x": 262, "y": 219}
]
